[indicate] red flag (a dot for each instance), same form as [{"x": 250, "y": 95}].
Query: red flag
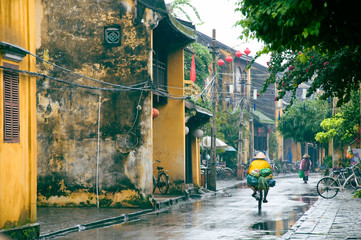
[{"x": 193, "y": 70}]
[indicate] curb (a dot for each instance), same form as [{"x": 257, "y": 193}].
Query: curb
[
  {"x": 302, "y": 219},
  {"x": 118, "y": 219},
  {"x": 96, "y": 224}
]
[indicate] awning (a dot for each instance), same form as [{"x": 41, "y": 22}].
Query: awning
[
  {"x": 230, "y": 149},
  {"x": 196, "y": 116},
  {"x": 206, "y": 143},
  {"x": 262, "y": 118}
]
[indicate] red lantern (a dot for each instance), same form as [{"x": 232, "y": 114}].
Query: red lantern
[
  {"x": 247, "y": 51},
  {"x": 155, "y": 113},
  {"x": 239, "y": 54},
  {"x": 220, "y": 62},
  {"x": 229, "y": 59}
]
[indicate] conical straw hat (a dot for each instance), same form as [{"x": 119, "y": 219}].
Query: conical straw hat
[{"x": 260, "y": 155}]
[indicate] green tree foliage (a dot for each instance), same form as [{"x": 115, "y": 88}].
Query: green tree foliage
[
  {"x": 203, "y": 59},
  {"x": 180, "y": 8},
  {"x": 317, "y": 39},
  {"x": 344, "y": 125},
  {"x": 302, "y": 120},
  {"x": 291, "y": 24},
  {"x": 227, "y": 125}
]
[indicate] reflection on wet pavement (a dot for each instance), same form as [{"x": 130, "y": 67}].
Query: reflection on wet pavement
[{"x": 231, "y": 214}]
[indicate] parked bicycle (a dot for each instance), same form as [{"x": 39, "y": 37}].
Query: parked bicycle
[
  {"x": 224, "y": 172},
  {"x": 275, "y": 170},
  {"x": 245, "y": 169},
  {"x": 161, "y": 181},
  {"x": 328, "y": 187},
  {"x": 290, "y": 167}
]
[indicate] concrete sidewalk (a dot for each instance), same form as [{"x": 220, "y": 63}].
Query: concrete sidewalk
[
  {"x": 60, "y": 221},
  {"x": 337, "y": 218}
]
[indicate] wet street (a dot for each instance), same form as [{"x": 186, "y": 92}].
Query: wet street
[{"x": 231, "y": 214}]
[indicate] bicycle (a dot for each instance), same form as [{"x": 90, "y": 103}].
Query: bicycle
[
  {"x": 162, "y": 180},
  {"x": 287, "y": 168},
  {"x": 275, "y": 170},
  {"x": 328, "y": 187},
  {"x": 224, "y": 172},
  {"x": 245, "y": 170},
  {"x": 259, "y": 198}
]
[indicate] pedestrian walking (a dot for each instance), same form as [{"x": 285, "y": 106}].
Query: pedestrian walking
[{"x": 305, "y": 166}]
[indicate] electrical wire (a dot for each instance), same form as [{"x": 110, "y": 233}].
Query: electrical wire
[
  {"x": 77, "y": 74},
  {"x": 72, "y": 83}
]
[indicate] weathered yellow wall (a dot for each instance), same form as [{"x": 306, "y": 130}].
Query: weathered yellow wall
[
  {"x": 169, "y": 126},
  {"x": 18, "y": 160},
  {"x": 73, "y": 37}
]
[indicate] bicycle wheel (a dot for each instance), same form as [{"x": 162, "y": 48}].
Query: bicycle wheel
[
  {"x": 260, "y": 201},
  {"x": 353, "y": 183},
  {"x": 275, "y": 172},
  {"x": 154, "y": 183},
  {"x": 327, "y": 187},
  {"x": 228, "y": 173},
  {"x": 163, "y": 183}
]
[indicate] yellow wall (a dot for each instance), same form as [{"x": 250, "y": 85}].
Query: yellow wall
[
  {"x": 18, "y": 160},
  {"x": 196, "y": 162},
  {"x": 169, "y": 126}
]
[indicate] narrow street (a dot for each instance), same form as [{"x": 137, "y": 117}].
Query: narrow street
[{"x": 231, "y": 214}]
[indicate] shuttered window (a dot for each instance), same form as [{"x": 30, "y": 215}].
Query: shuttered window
[{"x": 11, "y": 104}]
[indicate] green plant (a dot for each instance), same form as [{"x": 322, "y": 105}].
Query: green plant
[
  {"x": 357, "y": 194},
  {"x": 327, "y": 162}
]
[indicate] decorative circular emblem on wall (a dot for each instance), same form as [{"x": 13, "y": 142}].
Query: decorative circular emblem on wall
[{"x": 112, "y": 36}]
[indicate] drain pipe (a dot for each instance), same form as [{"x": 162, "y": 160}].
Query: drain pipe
[{"x": 98, "y": 154}]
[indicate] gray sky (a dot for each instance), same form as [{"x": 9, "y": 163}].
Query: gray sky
[{"x": 220, "y": 15}]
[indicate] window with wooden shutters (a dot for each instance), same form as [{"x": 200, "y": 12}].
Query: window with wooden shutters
[{"x": 11, "y": 104}]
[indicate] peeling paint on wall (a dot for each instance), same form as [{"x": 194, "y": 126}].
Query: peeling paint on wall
[{"x": 72, "y": 37}]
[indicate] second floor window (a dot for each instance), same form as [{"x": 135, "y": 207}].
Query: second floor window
[{"x": 11, "y": 104}]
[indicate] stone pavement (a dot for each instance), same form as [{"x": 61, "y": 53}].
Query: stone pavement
[{"x": 337, "y": 218}]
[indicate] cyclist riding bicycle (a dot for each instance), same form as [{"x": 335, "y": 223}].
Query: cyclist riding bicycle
[{"x": 259, "y": 162}]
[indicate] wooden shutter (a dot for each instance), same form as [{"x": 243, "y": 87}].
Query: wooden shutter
[{"x": 11, "y": 105}]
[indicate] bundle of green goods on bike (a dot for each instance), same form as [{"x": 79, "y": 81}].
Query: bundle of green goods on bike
[{"x": 261, "y": 178}]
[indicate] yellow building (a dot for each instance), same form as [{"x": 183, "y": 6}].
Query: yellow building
[
  {"x": 18, "y": 145},
  {"x": 169, "y": 137}
]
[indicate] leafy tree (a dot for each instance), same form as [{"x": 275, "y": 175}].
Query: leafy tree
[
  {"x": 317, "y": 39},
  {"x": 302, "y": 120},
  {"x": 180, "y": 8},
  {"x": 227, "y": 125},
  {"x": 290, "y": 24},
  {"x": 343, "y": 126}
]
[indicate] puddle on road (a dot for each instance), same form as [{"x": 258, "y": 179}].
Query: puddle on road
[{"x": 280, "y": 227}]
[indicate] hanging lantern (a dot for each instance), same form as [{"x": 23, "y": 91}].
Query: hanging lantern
[
  {"x": 229, "y": 59},
  {"x": 198, "y": 133},
  {"x": 220, "y": 62},
  {"x": 239, "y": 54},
  {"x": 247, "y": 51},
  {"x": 155, "y": 112}
]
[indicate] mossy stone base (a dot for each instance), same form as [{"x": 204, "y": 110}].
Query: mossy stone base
[{"x": 26, "y": 232}]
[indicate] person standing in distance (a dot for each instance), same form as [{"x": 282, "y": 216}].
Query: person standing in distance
[{"x": 305, "y": 166}]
